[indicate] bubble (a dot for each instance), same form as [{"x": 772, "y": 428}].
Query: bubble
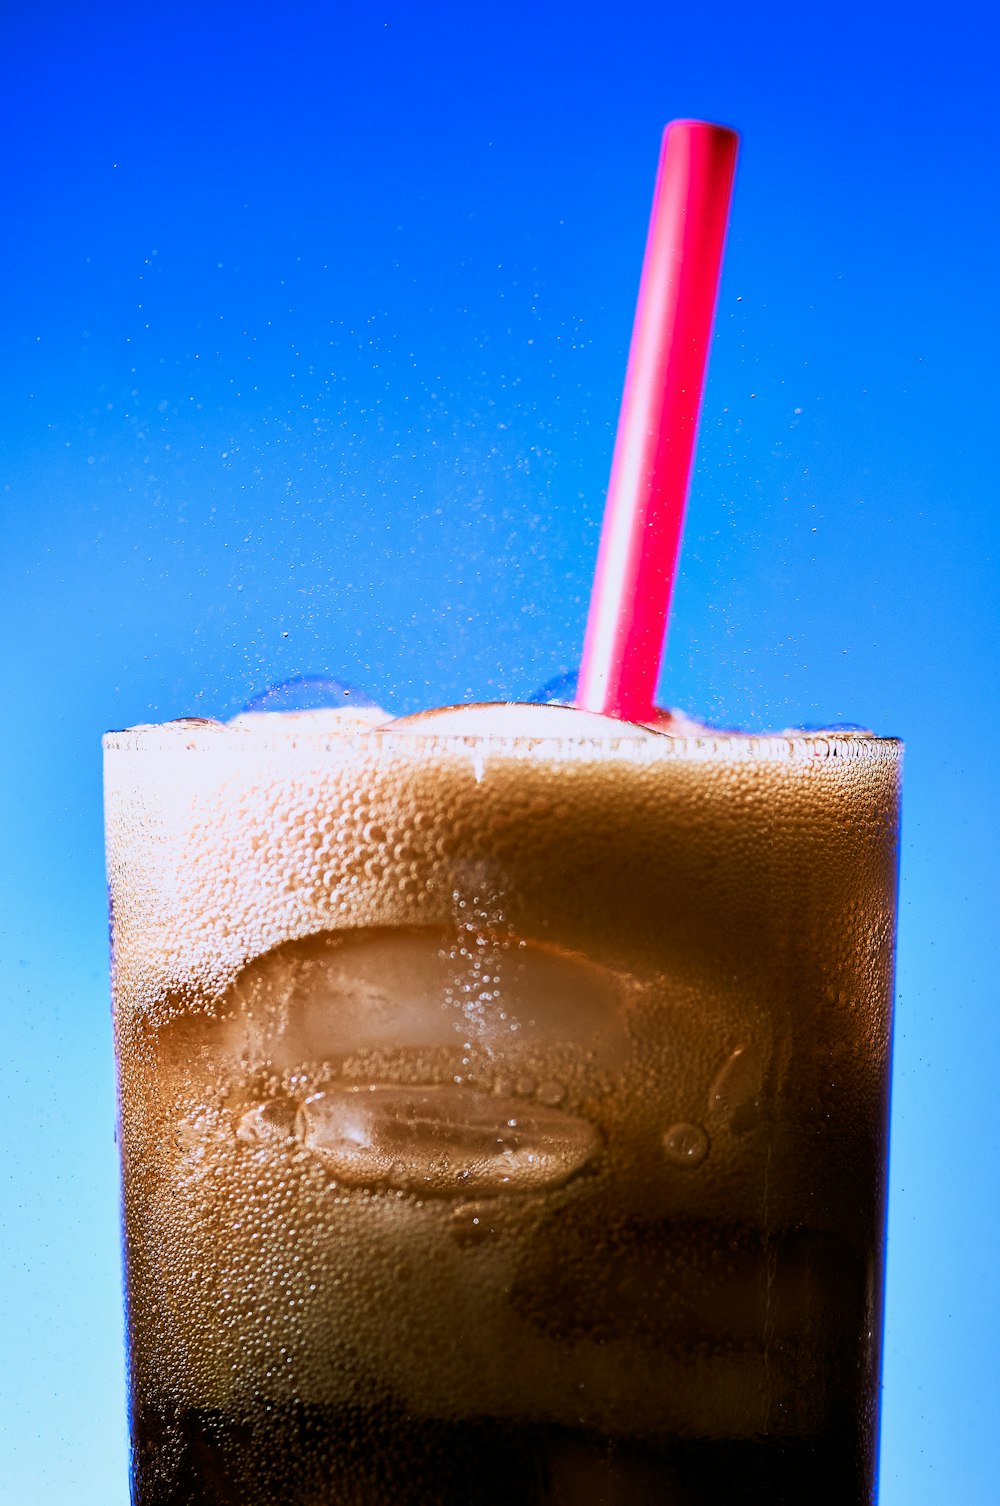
[
  {"x": 813, "y": 728},
  {"x": 686, "y": 1144},
  {"x": 195, "y": 723},
  {"x": 310, "y": 693},
  {"x": 559, "y": 691},
  {"x": 518, "y": 719},
  {"x": 268, "y": 1121}
]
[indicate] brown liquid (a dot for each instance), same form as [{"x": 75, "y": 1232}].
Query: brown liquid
[{"x": 502, "y": 1122}]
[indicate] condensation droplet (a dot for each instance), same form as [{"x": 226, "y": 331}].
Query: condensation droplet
[
  {"x": 686, "y": 1144},
  {"x": 736, "y": 1089}
]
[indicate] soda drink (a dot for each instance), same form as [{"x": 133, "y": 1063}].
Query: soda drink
[{"x": 503, "y": 1105}]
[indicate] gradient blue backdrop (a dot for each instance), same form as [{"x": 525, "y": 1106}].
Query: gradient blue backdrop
[{"x": 315, "y": 322}]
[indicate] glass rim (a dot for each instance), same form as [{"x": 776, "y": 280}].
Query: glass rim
[{"x": 201, "y": 735}]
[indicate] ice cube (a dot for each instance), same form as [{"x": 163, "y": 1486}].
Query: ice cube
[
  {"x": 444, "y": 1141},
  {"x": 329, "y": 995}
]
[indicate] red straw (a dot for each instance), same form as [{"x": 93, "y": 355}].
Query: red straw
[{"x": 654, "y": 446}]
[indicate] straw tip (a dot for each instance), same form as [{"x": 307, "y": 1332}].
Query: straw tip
[{"x": 707, "y": 129}]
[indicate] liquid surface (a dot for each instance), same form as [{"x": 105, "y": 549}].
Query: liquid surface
[{"x": 502, "y": 1118}]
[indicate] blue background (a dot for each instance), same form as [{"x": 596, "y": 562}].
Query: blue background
[{"x": 315, "y": 323}]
